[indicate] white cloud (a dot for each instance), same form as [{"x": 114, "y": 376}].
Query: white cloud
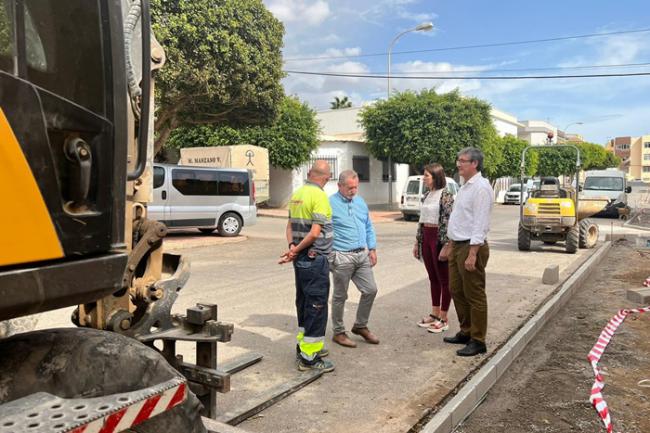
[
  {"x": 300, "y": 11},
  {"x": 417, "y": 17}
]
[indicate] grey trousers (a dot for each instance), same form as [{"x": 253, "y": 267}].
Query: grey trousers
[{"x": 355, "y": 267}]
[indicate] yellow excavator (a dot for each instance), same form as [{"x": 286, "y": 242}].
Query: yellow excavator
[{"x": 76, "y": 143}]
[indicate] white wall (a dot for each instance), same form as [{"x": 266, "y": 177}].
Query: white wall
[
  {"x": 280, "y": 186},
  {"x": 504, "y": 123},
  {"x": 504, "y": 128},
  {"x": 342, "y": 121},
  {"x": 374, "y": 192}
]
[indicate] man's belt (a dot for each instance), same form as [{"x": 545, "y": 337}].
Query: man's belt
[{"x": 357, "y": 250}]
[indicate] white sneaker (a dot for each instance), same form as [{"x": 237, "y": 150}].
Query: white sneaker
[{"x": 438, "y": 326}]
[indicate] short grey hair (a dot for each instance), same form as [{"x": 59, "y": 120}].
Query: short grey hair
[
  {"x": 474, "y": 155},
  {"x": 347, "y": 174}
]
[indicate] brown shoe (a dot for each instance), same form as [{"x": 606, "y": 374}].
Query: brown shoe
[
  {"x": 343, "y": 340},
  {"x": 366, "y": 334}
]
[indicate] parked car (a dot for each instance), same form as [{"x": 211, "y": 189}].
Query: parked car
[
  {"x": 514, "y": 194},
  {"x": 207, "y": 199},
  {"x": 414, "y": 189}
]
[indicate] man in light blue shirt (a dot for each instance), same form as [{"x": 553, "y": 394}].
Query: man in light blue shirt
[{"x": 353, "y": 256}]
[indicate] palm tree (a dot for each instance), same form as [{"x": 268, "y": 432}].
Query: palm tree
[{"x": 343, "y": 102}]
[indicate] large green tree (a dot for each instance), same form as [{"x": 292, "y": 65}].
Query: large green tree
[
  {"x": 224, "y": 63},
  {"x": 290, "y": 139},
  {"x": 595, "y": 157},
  {"x": 417, "y": 128},
  {"x": 511, "y": 150}
]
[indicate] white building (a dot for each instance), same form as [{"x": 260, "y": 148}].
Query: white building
[
  {"x": 505, "y": 123},
  {"x": 536, "y": 132},
  {"x": 343, "y": 146}
]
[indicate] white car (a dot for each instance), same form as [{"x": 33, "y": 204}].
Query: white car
[
  {"x": 412, "y": 195},
  {"x": 513, "y": 196}
]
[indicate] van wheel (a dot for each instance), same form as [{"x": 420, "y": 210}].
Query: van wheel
[
  {"x": 230, "y": 224},
  {"x": 207, "y": 231}
]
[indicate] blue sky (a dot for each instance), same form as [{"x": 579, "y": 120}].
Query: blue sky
[{"x": 607, "y": 107}]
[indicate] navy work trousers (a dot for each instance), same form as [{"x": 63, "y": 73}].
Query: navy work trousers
[{"x": 312, "y": 293}]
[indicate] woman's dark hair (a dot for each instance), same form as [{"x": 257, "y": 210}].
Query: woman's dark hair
[{"x": 438, "y": 173}]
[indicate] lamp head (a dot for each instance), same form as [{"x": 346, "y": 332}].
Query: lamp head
[{"x": 424, "y": 27}]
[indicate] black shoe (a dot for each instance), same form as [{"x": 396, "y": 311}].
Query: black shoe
[
  {"x": 459, "y": 338},
  {"x": 473, "y": 348}
]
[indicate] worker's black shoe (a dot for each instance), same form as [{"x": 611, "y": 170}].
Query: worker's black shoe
[
  {"x": 459, "y": 338},
  {"x": 473, "y": 348},
  {"x": 317, "y": 364}
]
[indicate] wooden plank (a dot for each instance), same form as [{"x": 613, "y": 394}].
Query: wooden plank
[
  {"x": 240, "y": 362},
  {"x": 269, "y": 398}
]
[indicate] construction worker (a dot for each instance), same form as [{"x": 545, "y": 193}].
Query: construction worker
[{"x": 310, "y": 235}]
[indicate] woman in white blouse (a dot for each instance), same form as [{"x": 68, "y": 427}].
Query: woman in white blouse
[{"x": 436, "y": 207}]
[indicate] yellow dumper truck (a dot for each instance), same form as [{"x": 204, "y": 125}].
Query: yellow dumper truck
[{"x": 554, "y": 213}]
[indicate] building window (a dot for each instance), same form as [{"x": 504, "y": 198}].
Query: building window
[
  {"x": 646, "y": 145},
  {"x": 384, "y": 171},
  {"x": 361, "y": 164},
  {"x": 623, "y": 146},
  {"x": 646, "y": 157},
  {"x": 646, "y": 169},
  {"x": 331, "y": 160}
]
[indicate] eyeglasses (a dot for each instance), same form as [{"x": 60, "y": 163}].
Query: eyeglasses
[{"x": 462, "y": 161}]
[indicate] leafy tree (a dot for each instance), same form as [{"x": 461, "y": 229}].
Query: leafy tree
[
  {"x": 594, "y": 156},
  {"x": 339, "y": 103},
  {"x": 556, "y": 161},
  {"x": 224, "y": 63},
  {"x": 511, "y": 150},
  {"x": 612, "y": 160},
  {"x": 290, "y": 139},
  {"x": 418, "y": 128}
]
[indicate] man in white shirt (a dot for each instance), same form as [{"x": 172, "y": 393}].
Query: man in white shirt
[{"x": 468, "y": 252}]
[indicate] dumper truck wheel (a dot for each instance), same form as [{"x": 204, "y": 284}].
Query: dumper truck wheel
[
  {"x": 572, "y": 240},
  {"x": 588, "y": 234},
  {"x": 523, "y": 239}
]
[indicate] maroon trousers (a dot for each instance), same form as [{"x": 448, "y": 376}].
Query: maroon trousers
[{"x": 438, "y": 271}]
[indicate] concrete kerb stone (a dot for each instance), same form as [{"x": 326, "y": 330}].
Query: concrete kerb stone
[{"x": 456, "y": 409}]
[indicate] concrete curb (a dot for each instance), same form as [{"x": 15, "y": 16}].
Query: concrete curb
[{"x": 473, "y": 391}]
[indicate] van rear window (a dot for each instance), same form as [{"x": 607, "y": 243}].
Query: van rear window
[
  {"x": 413, "y": 187},
  {"x": 208, "y": 182}
]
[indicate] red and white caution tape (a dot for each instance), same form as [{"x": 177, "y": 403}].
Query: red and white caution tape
[
  {"x": 594, "y": 356},
  {"x": 646, "y": 283},
  {"x": 135, "y": 414}
]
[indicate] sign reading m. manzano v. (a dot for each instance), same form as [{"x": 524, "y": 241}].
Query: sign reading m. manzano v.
[{"x": 247, "y": 156}]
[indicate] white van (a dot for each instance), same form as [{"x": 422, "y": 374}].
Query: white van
[
  {"x": 207, "y": 199},
  {"x": 609, "y": 183},
  {"x": 412, "y": 195}
]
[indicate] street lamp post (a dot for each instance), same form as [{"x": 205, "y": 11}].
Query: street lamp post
[
  {"x": 566, "y": 128},
  {"x": 424, "y": 27}
]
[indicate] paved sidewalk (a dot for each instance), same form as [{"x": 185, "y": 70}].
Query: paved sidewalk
[{"x": 377, "y": 216}]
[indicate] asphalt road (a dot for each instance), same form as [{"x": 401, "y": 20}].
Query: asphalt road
[{"x": 374, "y": 388}]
